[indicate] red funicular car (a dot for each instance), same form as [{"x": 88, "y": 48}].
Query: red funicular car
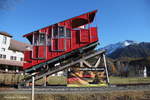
[{"x": 56, "y": 41}]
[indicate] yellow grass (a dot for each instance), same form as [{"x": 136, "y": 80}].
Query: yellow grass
[{"x": 129, "y": 80}]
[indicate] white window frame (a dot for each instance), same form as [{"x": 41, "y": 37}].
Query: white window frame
[{"x": 4, "y": 40}]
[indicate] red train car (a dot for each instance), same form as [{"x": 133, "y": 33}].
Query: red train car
[{"x": 60, "y": 39}]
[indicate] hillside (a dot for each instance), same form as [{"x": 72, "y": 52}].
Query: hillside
[
  {"x": 140, "y": 50},
  {"x": 126, "y": 54}
]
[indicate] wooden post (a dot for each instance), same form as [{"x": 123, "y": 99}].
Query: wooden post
[
  {"x": 33, "y": 87},
  {"x": 45, "y": 81},
  {"x": 33, "y": 79}
]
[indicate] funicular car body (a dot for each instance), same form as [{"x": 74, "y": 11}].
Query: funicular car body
[{"x": 60, "y": 39}]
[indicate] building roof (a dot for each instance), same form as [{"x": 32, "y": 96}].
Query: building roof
[
  {"x": 11, "y": 62},
  {"x": 6, "y": 34},
  {"x": 18, "y": 46}
]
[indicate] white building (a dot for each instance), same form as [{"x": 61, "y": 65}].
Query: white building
[{"x": 11, "y": 53}]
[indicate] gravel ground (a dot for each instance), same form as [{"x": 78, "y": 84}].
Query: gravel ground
[{"x": 63, "y": 90}]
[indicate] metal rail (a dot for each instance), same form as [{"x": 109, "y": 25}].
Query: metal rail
[{"x": 62, "y": 89}]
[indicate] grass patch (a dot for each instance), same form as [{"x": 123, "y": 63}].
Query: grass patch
[
  {"x": 53, "y": 80},
  {"x": 89, "y": 85},
  {"x": 16, "y": 78},
  {"x": 129, "y": 80},
  {"x": 60, "y": 80},
  {"x": 10, "y": 78}
]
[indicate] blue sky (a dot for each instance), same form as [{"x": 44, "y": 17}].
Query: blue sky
[{"x": 117, "y": 20}]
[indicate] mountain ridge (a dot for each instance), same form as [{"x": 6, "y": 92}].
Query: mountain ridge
[
  {"x": 112, "y": 47},
  {"x": 128, "y": 48}
]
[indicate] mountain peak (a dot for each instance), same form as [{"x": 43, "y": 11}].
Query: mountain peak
[
  {"x": 129, "y": 42},
  {"x": 112, "y": 47}
]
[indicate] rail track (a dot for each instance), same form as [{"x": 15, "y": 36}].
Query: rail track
[{"x": 64, "y": 89}]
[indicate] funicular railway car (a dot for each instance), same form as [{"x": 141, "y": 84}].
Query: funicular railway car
[{"x": 60, "y": 39}]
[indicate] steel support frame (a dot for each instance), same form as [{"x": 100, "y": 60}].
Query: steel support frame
[{"x": 82, "y": 61}]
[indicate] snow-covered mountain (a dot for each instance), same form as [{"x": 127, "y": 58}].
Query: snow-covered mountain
[{"x": 112, "y": 47}]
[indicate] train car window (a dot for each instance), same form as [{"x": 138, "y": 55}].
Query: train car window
[
  {"x": 41, "y": 39},
  {"x": 68, "y": 33},
  {"x": 49, "y": 39},
  {"x": 36, "y": 39},
  {"x": 55, "y": 32},
  {"x": 49, "y": 36},
  {"x": 61, "y": 31}
]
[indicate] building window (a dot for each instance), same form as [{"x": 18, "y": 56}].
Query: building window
[
  {"x": 13, "y": 58},
  {"x": 4, "y": 40},
  {"x": 1, "y": 56},
  {"x": 4, "y": 56},
  {"x": 21, "y": 59},
  {"x": 3, "y": 49}
]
